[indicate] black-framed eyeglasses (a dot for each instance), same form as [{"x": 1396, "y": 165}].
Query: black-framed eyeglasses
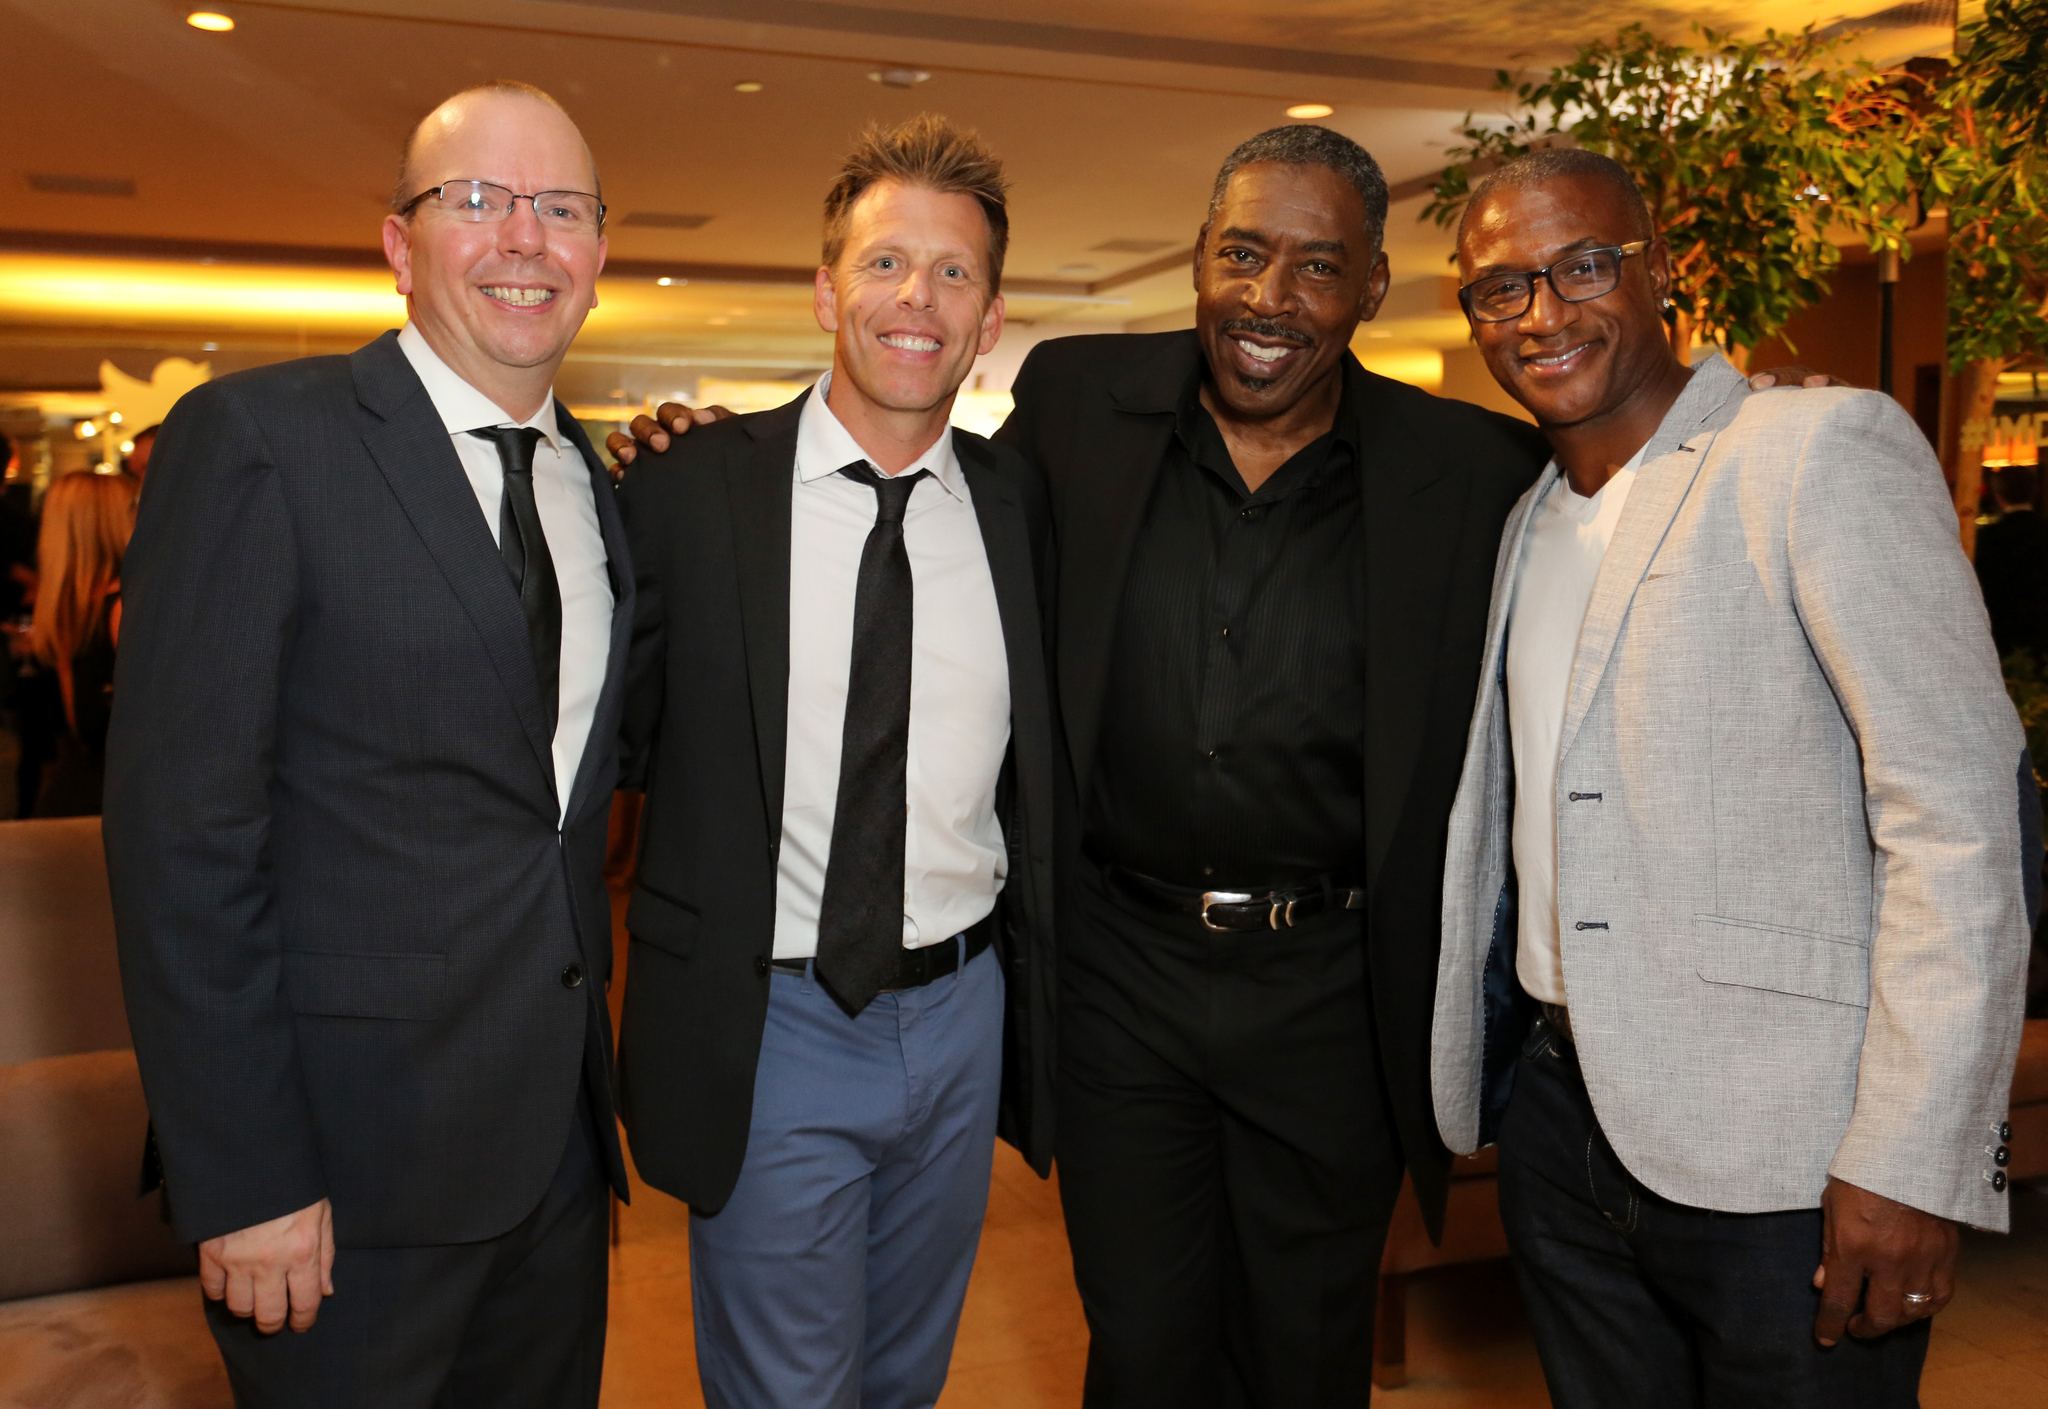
[
  {"x": 1578, "y": 277},
  {"x": 483, "y": 202}
]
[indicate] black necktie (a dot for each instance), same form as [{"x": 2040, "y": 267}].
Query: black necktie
[
  {"x": 860, "y": 916},
  {"x": 525, "y": 550}
]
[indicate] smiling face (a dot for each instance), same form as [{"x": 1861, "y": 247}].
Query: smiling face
[
  {"x": 1570, "y": 364},
  {"x": 909, "y": 303},
  {"x": 1285, "y": 274},
  {"x": 500, "y": 301}
]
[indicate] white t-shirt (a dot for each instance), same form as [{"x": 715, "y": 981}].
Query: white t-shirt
[{"x": 1567, "y": 539}]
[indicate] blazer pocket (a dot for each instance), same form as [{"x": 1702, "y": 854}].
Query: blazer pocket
[
  {"x": 1691, "y": 582},
  {"x": 1753, "y": 954},
  {"x": 407, "y": 987},
  {"x": 668, "y": 925}
]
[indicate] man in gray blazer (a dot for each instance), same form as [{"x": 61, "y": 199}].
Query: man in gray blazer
[{"x": 1734, "y": 911}]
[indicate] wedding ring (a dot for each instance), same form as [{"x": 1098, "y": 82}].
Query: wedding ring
[{"x": 1919, "y": 1298}]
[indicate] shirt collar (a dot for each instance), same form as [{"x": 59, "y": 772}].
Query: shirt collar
[
  {"x": 462, "y": 407},
  {"x": 824, "y": 446}
]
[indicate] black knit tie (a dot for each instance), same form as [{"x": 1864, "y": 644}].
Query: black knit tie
[
  {"x": 860, "y": 917},
  {"x": 525, "y": 550}
]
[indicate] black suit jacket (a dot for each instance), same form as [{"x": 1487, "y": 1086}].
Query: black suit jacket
[
  {"x": 1439, "y": 477},
  {"x": 344, "y": 911},
  {"x": 706, "y": 731},
  {"x": 2012, "y": 568}
]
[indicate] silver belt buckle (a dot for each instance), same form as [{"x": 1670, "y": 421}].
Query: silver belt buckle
[{"x": 1222, "y": 897}]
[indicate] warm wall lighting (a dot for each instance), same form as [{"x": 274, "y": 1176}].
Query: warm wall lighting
[
  {"x": 212, "y": 21},
  {"x": 664, "y": 282},
  {"x": 86, "y": 430},
  {"x": 1310, "y": 110},
  {"x": 748, "y": 85}
]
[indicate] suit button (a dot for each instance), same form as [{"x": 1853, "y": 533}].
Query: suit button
[
  {"x": 572, "y": 977},
  {"x": 2001, "y": 1156},
  {"x": 2004, "y": 1131},
  {"x": 1998, "y": 1182},
  {"x": 761, "y": 965}
]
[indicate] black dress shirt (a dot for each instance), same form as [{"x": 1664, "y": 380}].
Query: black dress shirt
[
  {"x": 1231, "y": 749},
  {"x": 2012, "y": 568}
]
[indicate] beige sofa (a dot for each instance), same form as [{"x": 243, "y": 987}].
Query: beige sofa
[{"x": 98, "y": 1307}]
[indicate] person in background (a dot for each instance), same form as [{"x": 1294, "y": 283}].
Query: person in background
[
  {"x": 1736, "y": 897},
  {"x": 364, "y": 739},
  {"x": 2012, "y": 565},
  {"x": 87, "y": 519},
  {"x": 144, "y": 441}
]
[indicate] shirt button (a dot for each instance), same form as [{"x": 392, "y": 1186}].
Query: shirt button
[
  {"x": 1226, "y": 633},
  {"x": 1212, "y": 753},
  {"x": 572, "y": 977},
  {"x": 1208, "y": 870},
  {"x": 761, "y": 965}
]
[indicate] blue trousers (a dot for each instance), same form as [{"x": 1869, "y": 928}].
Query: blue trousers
[
  {"x": 833, "y": 1277},
  {"x": 1636, "y": 1300}
]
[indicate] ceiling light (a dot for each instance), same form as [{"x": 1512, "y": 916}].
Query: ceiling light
[
  {"x": 898, "y": 77},
  {"x": 114, "y": 418},
  {"x": 127, "y": 447},
  {"x": 87, "y": 430},
  {"x": 748, "y": 85},
  {"x": 1310, "y": 111},
  {"x": 664, "y": 282},
  {"x": 211, "y": 21}
]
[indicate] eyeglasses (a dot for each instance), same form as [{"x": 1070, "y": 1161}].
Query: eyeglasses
[
  {"x": 481, "y": 202},
  {"x": 1578, "y": 277}
]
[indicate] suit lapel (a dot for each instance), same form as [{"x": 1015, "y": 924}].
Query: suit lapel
[
  {"x": 1413, "y": 506},
  {"x": 1671, "y": 461},
  {"x": 759, "y": 488},
  {"x": 620, "y": 568},
  {"x": 412, "y": 450},
  {"x": 1007, "y": 542},
  {"x": 1095, "y": 543}
]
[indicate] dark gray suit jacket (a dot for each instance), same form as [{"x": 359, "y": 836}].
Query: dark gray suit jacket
[
  {"x": 705, "y": 733},
  {"x": 345, "y": 914}
]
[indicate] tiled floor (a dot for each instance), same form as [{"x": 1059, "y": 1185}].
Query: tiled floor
[{"x": 1022, "y": 1340}]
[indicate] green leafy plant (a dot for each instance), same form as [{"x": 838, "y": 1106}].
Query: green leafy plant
[{"x": 1745, "y": 151}]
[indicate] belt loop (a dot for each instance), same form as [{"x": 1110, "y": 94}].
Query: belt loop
[
  {"x": 810, "y": 973},
  {"x": 960, "y": 956}
]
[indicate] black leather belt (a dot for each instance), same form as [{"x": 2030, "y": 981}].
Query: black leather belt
[
  {"x": 1280, "y": 907},
  {"x": 919, "y": 966}
]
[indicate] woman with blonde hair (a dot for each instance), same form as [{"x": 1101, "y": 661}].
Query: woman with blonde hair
[{"x": 87, "y": 519}]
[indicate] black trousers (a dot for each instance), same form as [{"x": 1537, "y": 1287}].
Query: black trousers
[
  {"x": 514, "y": 1322},
  {"x": 1636, "y": 1300},
  {"x": 1226, "y": 1158}
]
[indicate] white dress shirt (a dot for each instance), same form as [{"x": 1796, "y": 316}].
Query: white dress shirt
[
  {"x": 1567, "y": 539},
  {"x": 568, "y": 516},
  {"x": 953, "y": 857}
]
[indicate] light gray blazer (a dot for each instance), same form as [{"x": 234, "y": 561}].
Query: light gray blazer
[{"x": 1789, "y": 838}]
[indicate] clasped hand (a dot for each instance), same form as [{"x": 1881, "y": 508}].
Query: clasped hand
[{"x": 274, "y": 1271}]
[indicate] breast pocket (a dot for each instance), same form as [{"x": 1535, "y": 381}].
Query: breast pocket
[
  {"x": 668, "y": 925},
  {"x": 1778, "y": 959},
  {"x": 1667, "y": 586}
]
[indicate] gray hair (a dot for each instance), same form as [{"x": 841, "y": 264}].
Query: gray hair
[
  {"x": 1547, "y": 164},
  {"x": 1304, "y": 144}
]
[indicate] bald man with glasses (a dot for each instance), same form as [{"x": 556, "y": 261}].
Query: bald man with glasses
[{"x": 358, "y": 782}]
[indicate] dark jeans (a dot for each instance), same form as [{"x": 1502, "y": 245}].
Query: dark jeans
[
  {"x": 513, "y": 1322},
  {"x": 1636, "y": 1300},
  {"x": 1226, "y": 1160}
]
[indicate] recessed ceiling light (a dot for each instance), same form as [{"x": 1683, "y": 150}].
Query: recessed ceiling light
[
  {"x": 898, "y": 77},
  {"x": 748, "y": 85},
  {"x": 211, "y": 21},
  {"x": 1310, "y": 111}
]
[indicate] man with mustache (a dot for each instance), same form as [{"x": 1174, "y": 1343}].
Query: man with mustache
[
  {"x": 362, "y": 755},
  {"x": 1272, "y": 585},
  {"x": 1746, "y": 828}
]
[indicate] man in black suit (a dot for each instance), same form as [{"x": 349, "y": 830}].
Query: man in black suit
[
  {"x": 1273, "y": 587},
  {"x": 1273, "y": 577},
  {"x": 2012, "y": 565},
  {"x": 841, "y": 980},
  {"x": 363, "y": 751}
]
